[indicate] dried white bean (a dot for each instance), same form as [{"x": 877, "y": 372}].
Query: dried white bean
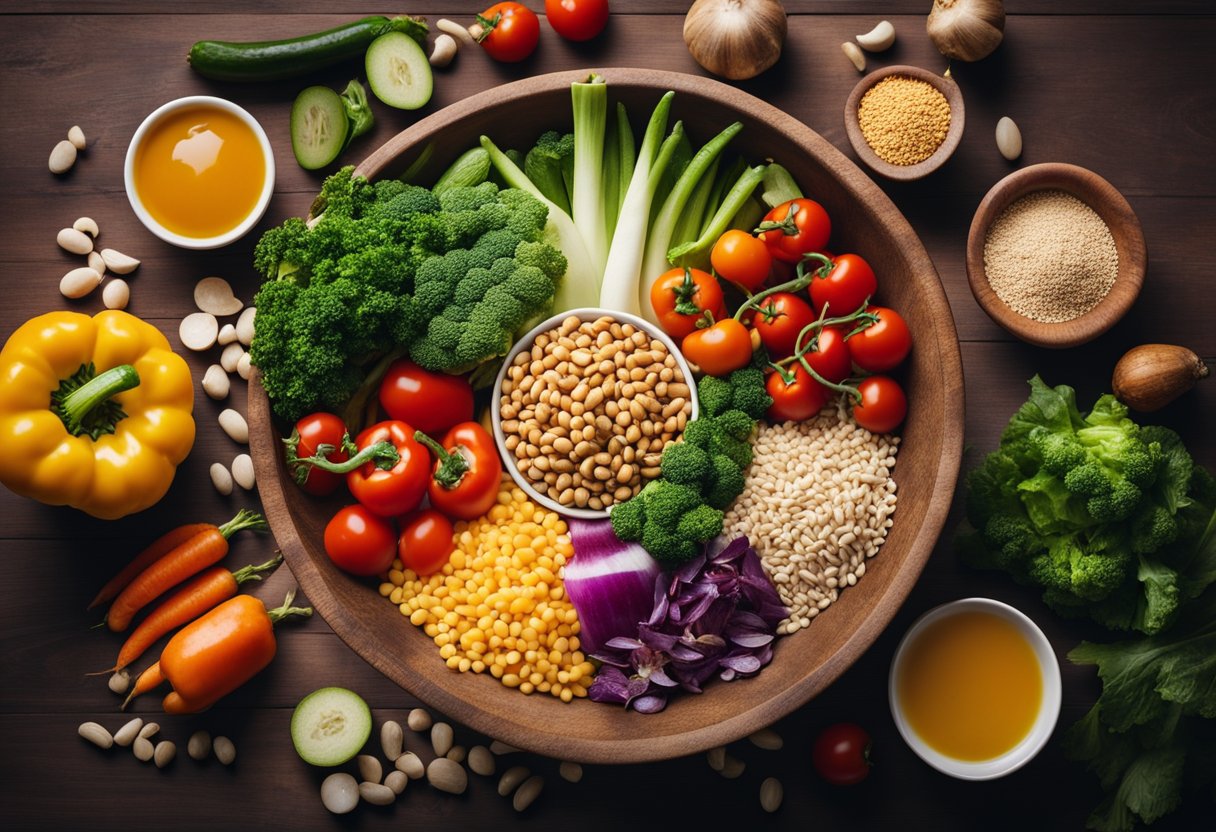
[
  {"x": 118, "y": 262},
  {"x": 457, "y": 754},
  {"x": 63, "y": 156},
  {"x": 73, "y": 241},
  {"x": 164, "y": 753},
  {"x": 771, "y": 794},
  {"x": 242, "y": 471},
  {"x": 214, "y": 295},
  {"x": 1008, "y": 138},
  {"x": 225, "y": 751},
  {"x": 570, "y": 772},
  {"x": 231, "y": 357},
  {"x": 143, "y": 749},
  {"x": 732, "y": 767},
  {"x": 244, "y": 325},
  {"x": 481, "y": 761},
  {"x": 418, "y": 720},
  {"x": 501, "y": 748},
  {"x": 768, "y": 739},
  {"x": 369, "y": 768},
  {"x": 244, "y": 366},
  {"x": 79, "y": 282},
  {"x": 198, "y": 330},
  {"x": 149, "y": 730},
  {"x": 377, "y": 794},
  {"x": 97, "y": 263},
  {"x": 126, "y": 735},
  {"x": 511, "y": 778},
  {"x": 95, "y": 734},
  {"x": 411, "y": 764},
  {"x": 340, "y": 793},
  {"x": 116, "y": 294},
  {"x": 447, "y": 776},
  {"x": 227, "y": 335},
  {"x": 234, "y": 424},
  {"x": 716, "y": 757},
  {"x": 526, "y": 794},
  {"x": 199, "y": 745},
  {"x": 87, "y": 225},
  {"x": 76, "y": 137},
  {"x": 392, "y": 739},
  {"x": 441, "y": 738},
  {"x": 221, "y": 478},
  {"x": 216, "y": 383},
  {"x": 397, "y": 781}
]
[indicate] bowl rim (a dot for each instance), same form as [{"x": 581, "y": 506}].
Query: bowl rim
[
  {"x": 552, "y": 322},
  {"x": 259, "y": 208},
  {"x": 1114, "y": 209},
  {"x": 1049, "y": 708},
  {"x": 954, "y": 134},
  {"x": 408, "y": 145}
]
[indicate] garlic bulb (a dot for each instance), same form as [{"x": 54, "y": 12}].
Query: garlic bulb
[
  {"x": 966, "y": 29},
  {"x": 736, "y": 39}
]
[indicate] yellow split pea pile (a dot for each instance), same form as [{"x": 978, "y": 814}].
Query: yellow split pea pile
[
  {"x": 498, "y": 605},
  {"x": 903, "y": 119}
]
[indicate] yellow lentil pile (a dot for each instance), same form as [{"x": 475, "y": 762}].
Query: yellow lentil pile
[
  {"x": 903, "y": 119},
  {"x": 498, "y": 605}
]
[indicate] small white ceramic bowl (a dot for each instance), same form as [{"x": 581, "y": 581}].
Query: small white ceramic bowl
[
  {"x": 585, "y": 314},
  {"x": 199, "y": 243},
  {"x": 1049, "y": 707}
]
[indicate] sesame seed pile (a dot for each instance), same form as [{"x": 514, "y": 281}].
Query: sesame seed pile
[
  {"x": 817, "y": 504},
  {"x": 1050, "y": 257},
  {"x": 903, "y": 119}
]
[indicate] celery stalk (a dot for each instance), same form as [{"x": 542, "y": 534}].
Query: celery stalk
[
  {"x": 590, "y": 103},
  {"x": 688, "y": 223},
  {"x": 697, "y": 253},
  {"x": 610, "y": 177},
  {"x": 728, "y": 175}
]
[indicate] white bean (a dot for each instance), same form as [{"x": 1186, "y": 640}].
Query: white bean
[
  {"x": 369, "y": 768},
  {"x": 244, "y": 366},
  {"x": 242, "y": 471},
  {"x": 95, "y": 734},
  {"x": 377, "y": 794},
  {"x": 501, "y": 748},
  {"x": 216, "y": 383},
  {"x": 732, "y": 768},
  {"x": 716, "y": 757},
  {"x": 441, "y": 738},
  {"x": 199, "y": 745},
  {"x": 73, "y": 241},
  {"x": 244, "y": 325},
  {"x": 397, "y": 781},
  {"x": 771, "y": 794},
  {"x": 149, "y": 730},
  {"x": 116, "y": 294},
  {"x": 570, "y": 772},
  {"x": 224, "y": 750},
  {"x": 164, "y": 753},
  {"x": 481, "y": 761},
  {"x": 447, "y": 776},
  {"x": 340, "y": 793},
  {"x": 120, "y": 681},
  {"x": 221, "y": 478},
  {"x": 511, "y": 778},
  {"x": 418, "y": 720},
  {"x": 411, "y": 764},
  {"x": 527, "y": 793},
  {"x": 234, "y": 424},
  {"x": 63, "y": 156},
  {"x": 768, "y": 739},
  {"x": 126, "y": 735},
  {"x": 457, "y": 754},
  {"x": 198, "y": 330},
  {"x": 79, "y": 282},
  {"x": 143, "y": 749},
  {"x": 391, "y": 739},
  {"x": 1008, "y": 138}
]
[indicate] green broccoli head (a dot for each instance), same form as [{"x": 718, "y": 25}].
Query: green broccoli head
[
  {"x": 1153, "y": 528},
  {"x": 714, "y": 395},
  {"x": 685, "y": 464},
  {"x": 736, "y": 424},
  {"x": 399, "y": 201},
  {"x": 628, "y": 519},
  {"x": 666, "y": 502},
  {"x": 726, "y": 482},
  {"x": 749, "y": 393},
  {"x": 551, "y": 262},
  {"x": 700, "y": 524},
  {"x": 667, "y": 547},
  {"x": 1059, "y": 452},
  {"x": 528, "y": 214},
  {"x": 468, "y": 197}
]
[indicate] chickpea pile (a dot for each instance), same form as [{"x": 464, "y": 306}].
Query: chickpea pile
[{"x": 589, "y": 409}]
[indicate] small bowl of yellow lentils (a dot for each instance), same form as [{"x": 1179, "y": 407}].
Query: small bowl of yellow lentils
[{"x": 904, "y": 122}]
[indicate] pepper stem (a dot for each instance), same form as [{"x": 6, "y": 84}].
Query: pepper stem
[
  {"x": 253, "y": 573},
  {"x": 452, "y": 465},
  {"x": 245, "y": 519},
  {"x": 84, "y": 401},
  {"x": 279, "y": 613},
  {"x": 383, "y": 453}
]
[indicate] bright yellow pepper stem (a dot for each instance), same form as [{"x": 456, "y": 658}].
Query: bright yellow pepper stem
[{"x": 79, "y": 398}]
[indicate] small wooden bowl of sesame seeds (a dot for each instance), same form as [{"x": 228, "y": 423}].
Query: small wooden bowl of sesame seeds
[
  {"x": 904, "y": 122},
  {"x": 1055, "y": 255}
]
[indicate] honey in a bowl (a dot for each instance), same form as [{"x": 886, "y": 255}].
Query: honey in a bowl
[
  {"x": 199, "y": 171},
  {"x": 970, "y": 686}
]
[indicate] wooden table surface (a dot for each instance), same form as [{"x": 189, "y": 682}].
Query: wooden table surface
[{"x": 1123, "y": 87}]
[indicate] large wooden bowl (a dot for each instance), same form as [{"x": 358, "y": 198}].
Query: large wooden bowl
[{"x": 865, "y": 221}]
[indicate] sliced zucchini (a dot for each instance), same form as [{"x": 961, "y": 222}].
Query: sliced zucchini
[
  {"x": 330, "y": 726},
  {"x": 319, "y": 127},
  {"x": 398, "y": 71}
]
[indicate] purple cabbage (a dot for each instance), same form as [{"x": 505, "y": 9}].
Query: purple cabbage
[{"x": 715, "y": 615}]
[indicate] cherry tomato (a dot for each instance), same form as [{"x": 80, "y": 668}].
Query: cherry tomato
[
  {"x": 841, "y": 754},
  {"x": 426, "y": 541},
  {"x": 778, "y": 320},
  {"x": 577, "y": 19},
  {"x": 359, "y": 542},
  {"x": 510, "y": 31},
  {"x": 719, "y": 349},
  {"x": 796, "y": 399},
  {"x": 742, "y": 259},
  {"x": 398, "y": 489},
  {"x": 882, "y": 345},
  {"x": 310, "y": 433},
  {"x": 883, "y": 404},
  {"x": 680, "y": 297},
  {"x": 795, "y": 228},
  {"x": 844, "y": 286},
  {"x": 830, "y": 358},
  {"x": 429, "y": 402},
  {"x": 468, "y": 470}
]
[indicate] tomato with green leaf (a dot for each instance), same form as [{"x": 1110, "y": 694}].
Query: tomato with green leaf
[
  {"x": 843, "y": 285},
  {"x": 779, "y": 319},
  {"x": 719, "y": 349},
  {"x": 681, "y": 297},
  {"x": 317, "y": 431},
  {"x": 509, "y": 31},
  {"x": 796, "y": 396},
  {"x": 829, "y": 355},
  {"x": 795, "y": 228},
  {"x": 883, "y": 344}
]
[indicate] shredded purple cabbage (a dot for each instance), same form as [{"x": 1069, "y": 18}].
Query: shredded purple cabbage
[{"x": 716, "y": 614}]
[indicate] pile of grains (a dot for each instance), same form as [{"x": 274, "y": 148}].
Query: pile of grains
[
  {"x": 589, "y": 409},
  {"x": 499, "y": 605},
  {"x": 903, "y": 119},
  {"x": 817, "y": 503},
  {"x": 1050, "y": 257}
]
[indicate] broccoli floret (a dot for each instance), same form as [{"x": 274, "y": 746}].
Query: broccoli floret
[
  {"x": 700, "y": 432},
  {"x": 1059, "y": 452},
  {"x": 404, "y": 201},
  {"x": 498, "y": 244},
  {"x": 1152, "y": 529},
  {"x": 666, "y": 502},
  {"x": 726, "y": 482},
  {"x": 685, "y": 464},
  {"x": 544, "y": 163},
  {"x": 551, "y": 262},
  {"x": 468, "y": 197},
  {"x": 1160, "y": 596},
  {"x": 528, "y": 214},
  {"x": 714, "y": 395},
  {"x": 628, "y": 519},
  {"x": 473, "y": 286},
  {"x": 666, "y": 546},
  {"x": 702, "y": 523},
  {"x": 530, "y": 286},
  {"x": 736, "y": 424},
  {"x": 739, "y": 451},
  {"x": 749, "y": 393}
]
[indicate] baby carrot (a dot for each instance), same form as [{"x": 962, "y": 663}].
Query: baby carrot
[
  {"x": 194, "y": 598},
  {"x": 150, "y": 678},
  {"x": 158, "y": 548},
  {"x": 204, "y": 549}
]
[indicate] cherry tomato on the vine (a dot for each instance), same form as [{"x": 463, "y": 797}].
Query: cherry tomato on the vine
[
  {"x": 577, "y": 19},
  {"x": 312, "y": 432},
  {"x": 400, "y": 488},
  {"x": 796, "y": 396},
  {"x": 882, "y": 345},
  {"x": 841, "y": 754},
  {"x": 360, "y": 542},
  {"x": 844, "y": 286},
  {"x": 426, "y": 541},
  {"x": 883, "y": 404},
  {"x": 429, "y": 402},
  {"x": 795, "y": 228},
  {"x": 719, "y": 349},
  {"x": 742, "y": 259},
  {"x": 680, "y": 298},
  {"x": 830, "y": 358},
  {"x": 779, "y": 319},
  {"x": 510, "y": 31}
]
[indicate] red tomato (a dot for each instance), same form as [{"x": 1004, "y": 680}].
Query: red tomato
[
  {"x": 359, "y": 542},
  {"x": 467, "y": 473},
  {"x": 510, "y": 31},
  {"x": 883, "y": 404},
  {"x": 882, "y": 345},
  {"x": 843, "y": 286},
  {"x": 742, "y": 259},
  {"x": 426, "y": 541},
  {"x": 400, "y": 488},
  {"x": 719, "y": 349},
  {"x": 310, "y": 433},
  {"x": 778, "y": 320},
  {"x": 430, "y": 402},
  {"x": 795, "y": 228},
  {"x": 797, "y": 399},
  {"x": 680, "y": 297},
  {"x": 830, "y": 358},
  {"x": 577, "y": 19},
  {"x": 841, "y": 754}
]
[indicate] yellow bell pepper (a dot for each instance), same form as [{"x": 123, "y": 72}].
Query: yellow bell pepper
[{"x": 95, "y": 413}]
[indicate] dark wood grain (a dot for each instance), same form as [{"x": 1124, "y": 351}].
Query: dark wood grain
[{"x": 1121, "y": 87}]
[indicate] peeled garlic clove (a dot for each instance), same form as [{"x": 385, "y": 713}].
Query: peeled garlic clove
[
  {"x": 444, "y": 51},
  {"x": 96, "y": 263},
  {"x": 227, "y": 335},
  {"x": 198, "y": 331},
  {"x": 63, "y": 156},
  {"x": 1008, "y": 138},
  {"x": 117, "y": 294},
  {"x": 460, "y": 33},
  {"x": 87, "y": 225},
  {"x": 79, "y": 282},
  {"x": 118, "y": 262},
  {"x": 878, "y": 39},
  {"x": 854, "y": 54},
  {"x": 73, "y": 241},
  {"x": 76, "y": 137}
]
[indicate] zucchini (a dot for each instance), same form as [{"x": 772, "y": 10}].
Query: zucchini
[
  {"x": 398, "y": 71},
  {"x": 472, "y": 168},
  {"x": 319, "y": 127},
  {"x": 277, "y": 59},
  {"x": 330, "y": 726}
]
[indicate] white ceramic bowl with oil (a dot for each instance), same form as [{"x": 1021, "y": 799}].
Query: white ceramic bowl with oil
[
  {"x": 1049, "y": 703},
  {"x": 240, "y": 227}
]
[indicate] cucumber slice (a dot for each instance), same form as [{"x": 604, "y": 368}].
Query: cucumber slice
[
  {"x": 318, "y": 127},
  {"x": 398, "y": 71},
  {"x": 330, "y": 726}
]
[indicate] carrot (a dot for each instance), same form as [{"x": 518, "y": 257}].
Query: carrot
[
  {"x": 159, "y": 547},
  {"x": 150, "y": 678},
  {"x": 193, "y": 599},
  {"x": 204, "y": 549}
]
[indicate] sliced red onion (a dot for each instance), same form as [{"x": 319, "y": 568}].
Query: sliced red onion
[{"x": 610, "y": 583}]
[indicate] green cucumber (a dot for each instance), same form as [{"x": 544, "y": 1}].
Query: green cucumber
[
  {"x": 277, "y": 59},
  {"x": 330, "y": 726},
  {"x": 398, "y": 71},
  {"x": 319, "y": 127},
  {"x": 472, "y": 168}
]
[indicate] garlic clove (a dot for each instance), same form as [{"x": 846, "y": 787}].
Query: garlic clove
[
  {"x": 854, "y": 54},
  {"x": 878, "y": 39}
]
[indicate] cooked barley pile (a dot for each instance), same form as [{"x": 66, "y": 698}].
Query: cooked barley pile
[{"x": 817, "y": 503}]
